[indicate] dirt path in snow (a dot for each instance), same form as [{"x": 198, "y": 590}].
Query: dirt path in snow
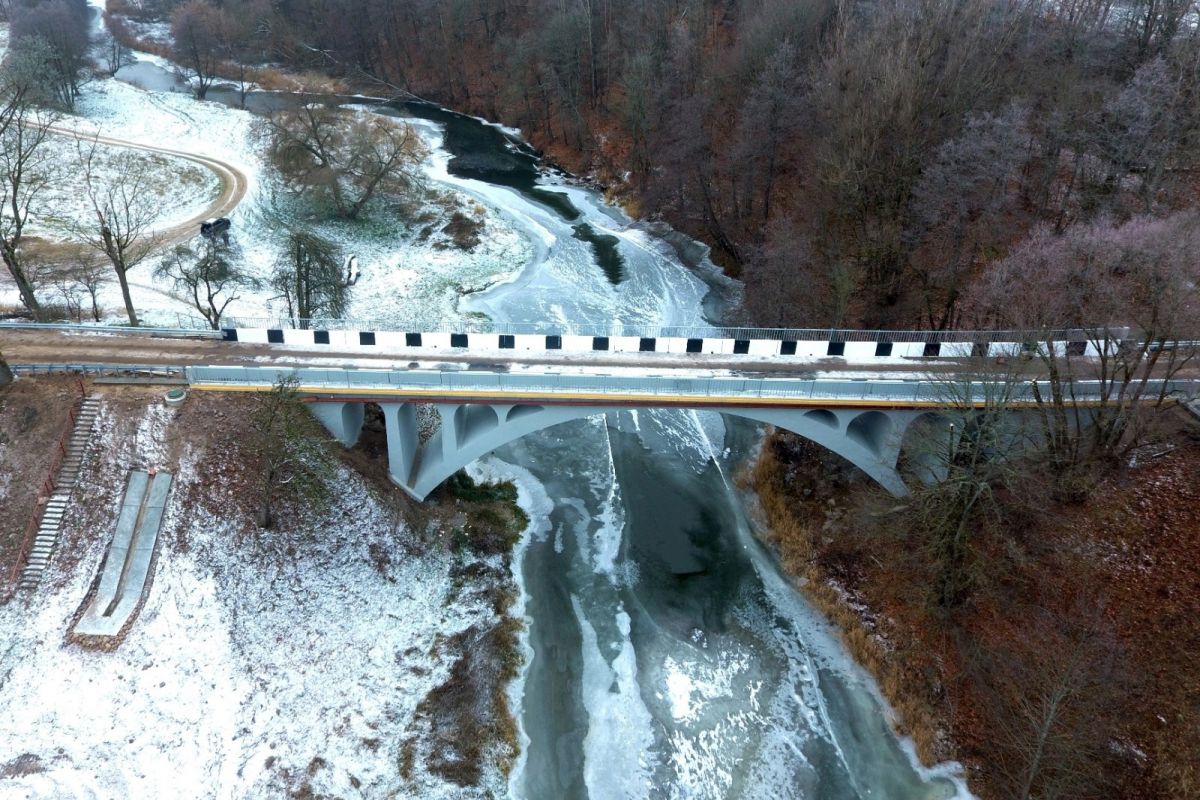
[{"x": 234, "y": 182}]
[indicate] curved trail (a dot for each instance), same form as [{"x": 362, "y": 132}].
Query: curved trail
[{"x": 234, "y": 182}]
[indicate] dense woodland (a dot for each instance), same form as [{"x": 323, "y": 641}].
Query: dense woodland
[{"x": 857, "y": 163}]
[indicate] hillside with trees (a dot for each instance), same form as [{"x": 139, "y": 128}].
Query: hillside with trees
[{"x": 856, "y": 163}]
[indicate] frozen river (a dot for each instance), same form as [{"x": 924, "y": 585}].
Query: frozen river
[{"x": 667, "y": 657}]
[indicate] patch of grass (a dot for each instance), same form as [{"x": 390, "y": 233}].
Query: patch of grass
[
  {"x": 471, "y": 722},
  {"x": 408, "y": 758},
  {"x": 461, "y": 486}
]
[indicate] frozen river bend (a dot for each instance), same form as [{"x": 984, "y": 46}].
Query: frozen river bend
[{"x": 667, "y": 656}]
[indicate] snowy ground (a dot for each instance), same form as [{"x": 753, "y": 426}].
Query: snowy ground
[
  {"x": 406, "y": 261},
  {"x": 179, "y": 188},
  {"x": 253, "y": 670}
]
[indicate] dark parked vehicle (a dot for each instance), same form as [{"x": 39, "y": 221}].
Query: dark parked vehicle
[{"x": 216, "y": 228}]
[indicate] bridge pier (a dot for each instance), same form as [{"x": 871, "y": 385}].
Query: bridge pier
[
  {"x": 400, "y": 422},
  {"x": 343, "y": 420}
]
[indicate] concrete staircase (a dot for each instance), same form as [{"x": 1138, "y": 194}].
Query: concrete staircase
[{"x": 56, "y": 506}]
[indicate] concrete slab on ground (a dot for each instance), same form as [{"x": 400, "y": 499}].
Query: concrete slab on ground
[{"x": 127, "y": 566}]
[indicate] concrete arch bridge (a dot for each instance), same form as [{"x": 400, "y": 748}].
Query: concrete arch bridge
[{"x": 863, "y": 421}]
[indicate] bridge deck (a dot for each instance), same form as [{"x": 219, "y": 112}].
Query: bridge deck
[{"x": 686, "y": 390}]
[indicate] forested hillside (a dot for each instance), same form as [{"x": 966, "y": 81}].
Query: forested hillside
[{"x": 857, "y": 163}]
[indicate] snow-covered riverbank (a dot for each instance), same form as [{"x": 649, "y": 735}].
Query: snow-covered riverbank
[{"x": 255, "y": 668}]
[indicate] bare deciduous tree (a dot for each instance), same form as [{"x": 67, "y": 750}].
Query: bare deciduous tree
[
  {"x": 210, "y": 278},
  {"x": 787, "y": 285},
  {"x": 291, "y": 453},
  {"x": 25, "y": 167},
  {"x": 966, "y": 455},
  {"x": 125, "y": 213},
  {"x": 958, "y": 208},
  {"x": 1133, "y": 290},
  {"x": 196, "y": 31},
  {"x": 343, "y": 159},
  {"x": 60, "y": 29},
  {"x": 1052, "y": 694},
  {"x": 311, "y": 278}
]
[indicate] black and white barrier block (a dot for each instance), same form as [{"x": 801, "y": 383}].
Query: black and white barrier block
[{"x": 867, "y": 351}]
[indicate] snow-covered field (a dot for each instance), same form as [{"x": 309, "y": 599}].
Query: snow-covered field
[
  {"x": 253, "y": 670},
  {"x": 179, "y": 189},
  {"x": 410, "y": 269}
]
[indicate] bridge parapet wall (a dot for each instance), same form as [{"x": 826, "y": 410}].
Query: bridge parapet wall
[{"x": 866, "y": 347}]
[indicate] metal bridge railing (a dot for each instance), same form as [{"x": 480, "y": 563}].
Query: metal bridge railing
[
  {"x": 96, "y": 369},
  {"x": 430, "y": 382}
]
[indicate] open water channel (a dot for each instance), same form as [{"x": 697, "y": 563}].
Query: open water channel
[{"x": 667, "y": 657}]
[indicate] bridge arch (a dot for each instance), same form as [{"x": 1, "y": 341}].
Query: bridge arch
[{"x": 867, "y": 438}]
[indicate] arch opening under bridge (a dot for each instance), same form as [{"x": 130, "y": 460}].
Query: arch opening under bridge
[{"x": 870, "y": 439}]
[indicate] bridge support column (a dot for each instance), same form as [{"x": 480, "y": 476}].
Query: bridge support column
[
  {"x": 401, "y": 424},
  {"x": 451, "y": 433},
  {"x": 344, "y": 421}
]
